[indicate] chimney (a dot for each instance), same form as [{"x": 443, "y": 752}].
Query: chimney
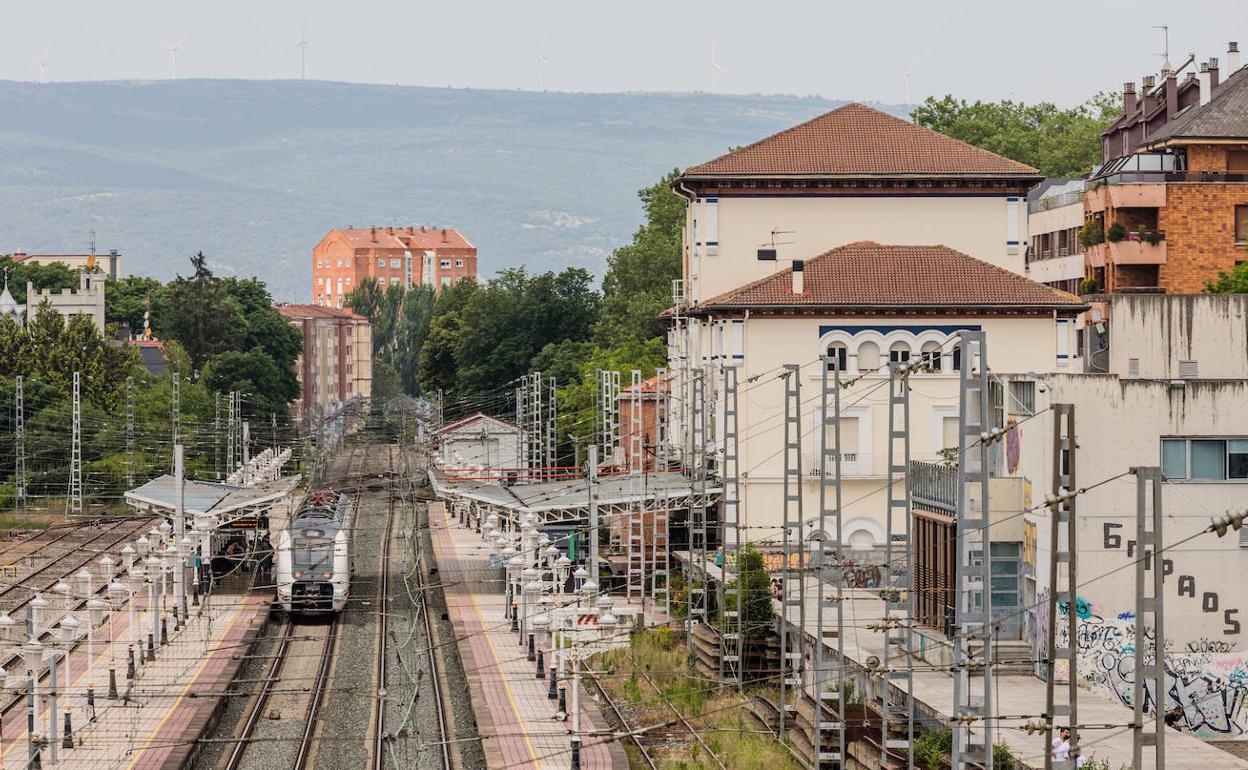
[
  {"x": 374, "y": 231},
  {"x": 411, "y": 230},
  {"x": 1205, "y": 90},
  {"x": 1128, "y": 98},
  {"x": 1147, "y": 84},
  {"x": 1232, "y": 58},
  {"x": 422, "y": 228},
  {"x": 444, "y": 238},
  {"x": 1213, "y": 75},
  {"x": 799, "y": 277},
  {"x": 1172, "y": 94},
  {"x": 390, "y": 230}
]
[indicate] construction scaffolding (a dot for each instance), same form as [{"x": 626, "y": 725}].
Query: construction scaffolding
[
  {"x": 898, "y": 594},
  {"x": 972, "y": 649},
  {"x": 827, "y": 692},
  {"x": 792, "y": 583},
  {"x": 1062, "y": 592}
]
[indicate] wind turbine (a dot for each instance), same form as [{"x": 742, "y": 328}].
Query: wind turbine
[
  {"x": 716, "y": 68},
  {"x": 173, "y": 53},
  {"x": 42, "y": 66},
  {"x": 302, "y": 45},
  {"x": 541, "y": 69},
  {"x": 905, "y": 74}
]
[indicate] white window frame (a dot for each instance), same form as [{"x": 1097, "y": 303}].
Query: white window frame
[{"x": 1187, "y": 470}]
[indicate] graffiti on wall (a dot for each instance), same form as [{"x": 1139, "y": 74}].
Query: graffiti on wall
[{"x": 1206, "y": 680}]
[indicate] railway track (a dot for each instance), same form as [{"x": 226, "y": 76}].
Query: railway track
[
  {"x": 317, "y": 698},
  {"x": 619, "y": 717},
  {"x": 435, "y": 674},
  {"x": 383, "y": 594},
  {"x": 697, "y": 736}
]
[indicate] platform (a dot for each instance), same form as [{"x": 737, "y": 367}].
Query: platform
[
  {"x": 166, "y": 710},
  {"x": 514, "y": 716}
]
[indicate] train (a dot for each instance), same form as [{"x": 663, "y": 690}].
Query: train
[{"x": 313, "y": 557}]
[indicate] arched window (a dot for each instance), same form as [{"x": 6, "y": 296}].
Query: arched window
[
  {"x": 868, "y": 357},
  {"x": 931, "y": 356},
  {"x": 898, "y": 353},
  {"x": 839, "y": 355}
]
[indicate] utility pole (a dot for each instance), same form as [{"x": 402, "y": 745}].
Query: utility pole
[
  {"x": 697, "y": 513},
  {"x": 179, "y": 528},
  {"x": 75, "y": 461},
  {"x": 246, "y": 449},
  {"x": 216, "y": 434},
  {"x": 19, "y": 444},
  {"x": 534, "y": 425},
  {"x": 175, "y": 411},
  {"x": 972, "y": 683},
  {"x": 829, "y": 734},
  {"x": 129, "y": 432},
  {"x": 229, "y": 437},
  {"x": 732, "y": 641},
  {"x": 1149, "y": 609},
  {"x": 898, "y": 594},
  {"x": 592, "y": 475},
  {"x": 792, "y": 582},
  {"x": 552, "y": 424},
  {"x": 636, "y": 535},
  {"x": 1063, "y": 551}
]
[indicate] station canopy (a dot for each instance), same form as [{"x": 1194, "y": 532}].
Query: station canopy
[{"x": 225, "y": 502}]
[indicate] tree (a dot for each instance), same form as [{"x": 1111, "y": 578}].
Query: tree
[
  {"x": 385, "y": 382},
  {"x": 1058, "y": 142},
  {"x": 201, "y": 316},
  {"x": 1234, "y": 282},
  {"x": 53, "y": 277},
  {"x": 126, "y": 300},
  {"x": 256, "y": 374},
  {"x": 437, "y": 357},
  {"x": 638, "y": 282}
]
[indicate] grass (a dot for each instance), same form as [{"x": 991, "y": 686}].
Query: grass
[{"x": 718, "y": 715}]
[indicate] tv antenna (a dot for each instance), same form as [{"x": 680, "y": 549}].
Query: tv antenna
[
  {"x": 774, "y": 243},
  {"x": 1165, "y": 53}
]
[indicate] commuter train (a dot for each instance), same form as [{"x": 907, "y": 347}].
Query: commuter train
[{"x": 312, "y": 559}]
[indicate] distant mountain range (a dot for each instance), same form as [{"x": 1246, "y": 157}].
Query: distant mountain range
[{"x": 253, "y": 173}]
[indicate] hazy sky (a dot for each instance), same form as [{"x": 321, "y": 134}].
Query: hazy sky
[{"x": 1054, "y": 50}]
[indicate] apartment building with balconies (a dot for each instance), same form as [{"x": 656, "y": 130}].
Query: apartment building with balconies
[
  {"x": 1054, "y": 220},
  {"x": 1168, "y": 209},
  {"x": 394, "y": 256}
]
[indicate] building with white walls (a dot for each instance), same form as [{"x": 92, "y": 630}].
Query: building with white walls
[
  {"x": 481, "y": 445},
  {"x": 852, "y": 174},
  {"x": 88, "y": 300},
  {"x": 1054, "y": 218}
]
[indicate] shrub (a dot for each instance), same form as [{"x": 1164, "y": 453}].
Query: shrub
[
  {"x": 1117, "y": 232},
  {"x": 1091, "y": 233},
  {"x": 1152, "y": 238},
  {"x": 1089, "y": 286},
  {"x": 1002, "y": 757},
  {"x": 933, "y": 746}
]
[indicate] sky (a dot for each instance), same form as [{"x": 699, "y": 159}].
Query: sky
[{"x": 1057, "y": 50}]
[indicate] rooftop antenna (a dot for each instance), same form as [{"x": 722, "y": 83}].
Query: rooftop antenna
[
  {"x": 173, "y": 53},
  {"x": 716, "y": 68},
  {"x": 1165, "y": 53},
  {"x": 302, "y": 45},
  {"x": 42, "y": 66},
  {"x": 905, "y": 74}
]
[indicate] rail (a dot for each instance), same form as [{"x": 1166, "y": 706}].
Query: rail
[
  {"x": 619, "y": 717},
  {"x": 262, "y": 698},
  {"x": 383, "y": 594}
]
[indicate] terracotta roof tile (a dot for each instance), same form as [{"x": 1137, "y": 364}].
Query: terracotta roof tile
[
  {"x": 856, "y": 140},
  {"x": 316, "y": 311},
  {"x": 870, "y": 275},
  {"x": 429, "y": 238}
]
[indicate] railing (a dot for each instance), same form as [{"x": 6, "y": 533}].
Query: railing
[
  {"x": 1055, "y": 201},
  {"x": 934, "y": 485},
  {"x": 1145, "y": 177}
]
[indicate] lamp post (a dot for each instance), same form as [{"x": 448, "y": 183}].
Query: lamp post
[{"x": 116, "y": 594}]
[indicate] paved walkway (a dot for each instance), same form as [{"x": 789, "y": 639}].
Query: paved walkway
[
  {"x": 514, "y": 716},
  {"x": 166, "y": 710}
]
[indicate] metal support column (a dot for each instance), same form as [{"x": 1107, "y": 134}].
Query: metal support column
[
  {"x": 660, "y": 566},
  {"x": 19, "y": 443},
  {"x": 175, "y": 417},
  {"x": 732, "y": 640},
  {"x": 216, "y": 434},
  {"x": 129, "y": 433},
  {"x": 1062, "y": 554},
  {"x": 74, "y": 502},
  {"x": 534, "y": 428},
  {"x": 635, "y": 535},
  {"x": 828, "y": 693},
  {"x": 897, "y": 582},
  {"x": 792, "y": 584},
  {"x": 972, "y": 651},
  {"x": 1149, "y": 601},
  {"x": 551, "y": 442},
  {"x": 697, "y": 511}
]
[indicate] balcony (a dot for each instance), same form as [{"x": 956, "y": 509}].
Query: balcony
[
  {"x": 1118, "y": 195},
  {"x": 1126, "y": 252}
]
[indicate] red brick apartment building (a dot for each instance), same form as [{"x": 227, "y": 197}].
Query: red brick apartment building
[
  {"x": 398, "y": 256},
  {"x": 1172, "y": 196},
  {"x": 336, "y": 364}
]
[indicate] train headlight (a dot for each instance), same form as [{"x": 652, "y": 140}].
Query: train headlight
[
  {"x": 298, "y": 574},
  {"x": 328, "y": 575}
]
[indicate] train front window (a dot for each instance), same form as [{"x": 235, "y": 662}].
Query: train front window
[{"x": 313, "y": 555}]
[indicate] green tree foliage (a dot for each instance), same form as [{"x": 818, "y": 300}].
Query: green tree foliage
[
  {"x": 1057, "y": 141},
  {"x": 254, "y": 373},
  {"x": 385, "y": 382},
  {"x": 400, "y": 321},
  {"x": 1234, "y": 282},
  {"x": 755, "y": 585},
  {"x": 51, "y": 349},
  {"x": 127, "y": 299},
  {"x": 638, "y": 283},
  {"x": 201, "y": 318}
]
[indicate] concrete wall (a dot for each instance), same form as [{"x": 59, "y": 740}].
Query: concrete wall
[
  {"x": 1161, "y": 330},
  {"x": 975, "y": 225},
  {"x": 88, "y": 300},
  {"x": 1119, "y": 424},
  {"x": 483, "y": 443}
]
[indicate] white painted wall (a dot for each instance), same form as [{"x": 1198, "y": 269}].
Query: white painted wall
[
  {"x": 1159, "y": 330},
  {"x": 807, "y": 226},
  {"x": 482, "y": 443}
]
